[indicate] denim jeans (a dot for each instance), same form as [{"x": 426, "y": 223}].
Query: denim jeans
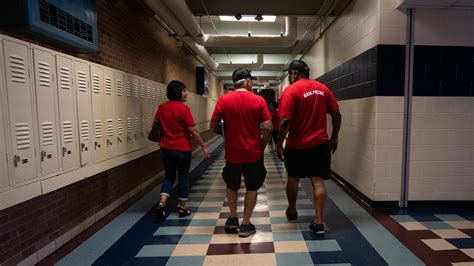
[{"x": 176, "y": 161}]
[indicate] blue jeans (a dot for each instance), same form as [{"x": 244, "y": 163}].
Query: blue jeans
[{"x": 173, "y": 161}]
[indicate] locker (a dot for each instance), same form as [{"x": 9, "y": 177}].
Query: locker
[
  {"x": 4, "y": 177},
  {"x": 20, "y": 111},
  {"x": 69, "y": 145},
  {"x": 98, "y": 114},
  {"x": 46, "y": 102},
  {"x": 110, "y": 112},
  {"x": 120, "y": 108},
  {"x": 141, "y": 113},
  {"x": 84, "y": 112},
  {"x": 149, "y": 112},
  {"x": 129, "y": 112}
]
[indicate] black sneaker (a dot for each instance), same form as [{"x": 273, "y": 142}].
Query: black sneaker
[
  {"x": 317, "y": 228},
  {"x": 292, "y": 217},
  {"x": 232, "y": 223},
  {"x": 246, "y": 230}
]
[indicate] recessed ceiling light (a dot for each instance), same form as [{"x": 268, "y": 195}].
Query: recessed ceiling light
[{"x": 248, "y": 18}]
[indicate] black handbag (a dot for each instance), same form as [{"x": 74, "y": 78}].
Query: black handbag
[{"x": 155, "y": 132}]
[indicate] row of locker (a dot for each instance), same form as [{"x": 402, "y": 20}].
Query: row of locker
[{"x": 61, "y": 113}]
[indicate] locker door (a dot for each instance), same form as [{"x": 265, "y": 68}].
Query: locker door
[
  {"x": 121, "y": 147},
  {"x": 149, "y": 110},
  {"x": 69, "y": 145},
  {"x": 46, "y": 109},
  {"x": 136, "y": 112},
  {"x": 4, "y": 177},
  {"x": 20, "y": 102},
  {"x": 98, "y": 114},
  {"x": 141, "y": 113},
  {"x": 84, "y": 112},
  {"x": 110, "y": 113},
  {"x": 129, "y": 112}
]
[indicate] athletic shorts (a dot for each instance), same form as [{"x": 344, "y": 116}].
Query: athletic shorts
[
  {"x": 254, "y": 175},
  {"x": 314, "y": 161}
]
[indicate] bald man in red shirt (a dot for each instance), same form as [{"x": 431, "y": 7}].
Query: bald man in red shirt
[{"x": 303, "y": 108}]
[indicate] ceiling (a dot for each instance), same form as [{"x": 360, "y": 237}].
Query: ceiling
[{"x": 275, "y": 59}]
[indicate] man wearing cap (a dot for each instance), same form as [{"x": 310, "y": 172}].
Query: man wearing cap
[
  {"x": 243, "y": 113},
  {"x": 307, "y": 153}
]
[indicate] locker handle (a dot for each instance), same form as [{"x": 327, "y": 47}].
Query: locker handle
[
  {"x": 16, "y": 159},
  {"x": 64, "y": 151},
  {"x": 83, "y": 147},
  {"x": 119, "y": 140},
  {"x": 97, "y": 145},
  {"x": 43, "y": 154}
]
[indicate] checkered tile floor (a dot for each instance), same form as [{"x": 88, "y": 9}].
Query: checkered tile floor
[{"x": 201, "y": 239}]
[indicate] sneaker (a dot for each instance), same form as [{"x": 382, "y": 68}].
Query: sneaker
[
  {"x": 246, "y": 230},
  {"x": 317, "y": 228},
  {"x": 292, "y": 217},
  {"x": 232, "y": 223}
]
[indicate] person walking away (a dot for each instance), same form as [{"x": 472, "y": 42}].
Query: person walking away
[{"x": 273, "y": 108}]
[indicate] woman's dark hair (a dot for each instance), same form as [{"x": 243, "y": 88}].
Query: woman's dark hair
[
  {"x": 274, "y": 105},
  {"x": 174, "y": 89}
]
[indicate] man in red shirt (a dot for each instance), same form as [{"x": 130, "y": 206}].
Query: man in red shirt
[
  {"x": 302, "y": 113},
  {"x": 242, "y": 112}
]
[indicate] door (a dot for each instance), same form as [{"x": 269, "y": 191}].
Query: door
[
  {"x": 110, "y": 112},
  {"x": 120, "y": 108},
  {"x": 4, "y": 177},
  {"x": 84, "y": 112},
  {"x": 98, "y": 113}
]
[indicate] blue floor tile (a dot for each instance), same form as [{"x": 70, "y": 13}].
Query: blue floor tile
[
  {"x": 195, "y": 239},
  {"x": 191, "y": 260},
  {"x": 293, "y": 259},
  {"x": 156, "y": 251},
  {"x": 402, "y": 218},
  {"x": 323, "y": 245},
  {"x": 462, "y": 243},
  {"x": 450, "y": 217},
  {"x": 437, "y": 225},
  {"x": 287, "y": 236},
  {"x": 170, "y": 230}
]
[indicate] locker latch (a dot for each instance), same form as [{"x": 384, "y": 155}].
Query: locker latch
[
  {"x": 119, "y": 140},
  {"x": 16, "y": 159},
  {"x": 64, "y": 151},
  {"x": 83, "y": 147},
  {"x": 43, "y": 154},
  {"x": 128, "y": 138},
  {"x": 109, "y": 143},
  {"x": 97, "y": 145}
]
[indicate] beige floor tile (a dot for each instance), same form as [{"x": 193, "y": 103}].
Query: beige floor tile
[
  {"x": 261, "y": 208},
  {"x": 469, "y": 252},
  {"x": 450, "y": 233},
  {"x": 290, "y": 246},
  {"x": 467, "y": 263},
  {"x": 278, "y": 202},
  {"x": 461, "y": 224},
  {"x": 438, "y": 244},
  {"x": 206, "y": 215},
  {"x": 199, "y": 230},
  {"x": 280, "y": 213},
  {"x": 285, "y": 227},
  {"x": 239, "y": 259},
  {"x": 211, "y": 204},
  {"x": 216, "y": 194},
  {"x": 190, "y": 250},
  {"x": 234, "y": 238},
  {"x": 412, "y": 226},
  {"x": 260, "y": 220}
]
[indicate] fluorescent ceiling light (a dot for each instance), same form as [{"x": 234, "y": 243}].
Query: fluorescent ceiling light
[{"x": 248, "y": 18}]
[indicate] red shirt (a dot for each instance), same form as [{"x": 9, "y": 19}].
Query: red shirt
[
  {"x": 275, "y": 121},
  {"x": 306, "y": 103},
  {"x": 243, "y": 112},
  {"x": 175, "y": 119}
]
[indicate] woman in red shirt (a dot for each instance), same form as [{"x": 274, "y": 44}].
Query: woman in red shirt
[{"x": 177, "y": 125}]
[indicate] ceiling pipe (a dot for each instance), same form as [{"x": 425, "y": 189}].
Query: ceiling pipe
[{"x": 186, "y": 17}]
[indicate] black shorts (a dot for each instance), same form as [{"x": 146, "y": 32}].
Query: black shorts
[
  {"x": 254, "y": 175},
  {"x": 309, "y": 162}
]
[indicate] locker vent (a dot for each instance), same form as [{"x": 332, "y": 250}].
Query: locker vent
[
  {"x": 108, "y": 86},
  {"x": 47, "y": 133},
  {"x": 84, "y": 130},
  {"x": 64, "y": 78},
  {"x": 95, "y": 83},
  {"x": 148, "y": 93},
  {"x": 110, "y": 128},
  {"x": 82, "y": 81},
  {"x": 118, "y": 85},
  {"x": 129, "y": 125},
  {"x": 62, "y": 20},
  {"x": 98, "y": 129},
  {"x": 129, "y": 89},
  {"x": 135, "y": 90},
  {"x": 142, "y": 92},
  {"x": 143, "y": 124},
  {"x": 153, "y": 93},
  {"x": 18, "y": 70},
  {"x": 44, "y": 74},
  {"x": 137, "y": 124},
  {"x": 22, "y": 131},
  {"x": 119, "y": 126},
  {"x": 68, "y": 132}
]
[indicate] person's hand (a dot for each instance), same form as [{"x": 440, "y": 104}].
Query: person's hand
[
  {"x": 333, "y": 144},
  {"x": 206, "y": 153},
  {"x": 279, "y": 151}
]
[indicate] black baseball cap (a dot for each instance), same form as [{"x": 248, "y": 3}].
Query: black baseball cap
[
  {"x": 299, "y": 65},
  {"x": 242, "y": 73}
]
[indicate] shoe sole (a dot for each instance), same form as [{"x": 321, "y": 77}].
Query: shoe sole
[
  {"x": 231, "y": 227},
  {"x": 319, "y": 233},
  {"x": 246, "y": 234}
]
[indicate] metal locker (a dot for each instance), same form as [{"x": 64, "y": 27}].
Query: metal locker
[
  {"x": 136, "y": 112},
  {"x": 149, "y": 110},
  {"x": 129, "y": 112},
  {"x": 46, "y": 104},
  {"x": 110, "y": 112},
  {"x": 4, "y": 177},
  {"x": 120, "y": 109},
  {"x": 69, "y": 145},
  {"x": 141, "y": 113},
  {"x": 84, "y": 111},
  {"x": 20, "y": 109},
  {"x": 98, "y": 114}
]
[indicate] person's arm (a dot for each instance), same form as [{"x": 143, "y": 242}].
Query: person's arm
[
  {"x": 195, "y": 134},
  {"x": 282, "y": 131},
  {"x": 215, "y": 127},
  {"x": 336, "y": 126},
  {"x": 267, "y": 132}
]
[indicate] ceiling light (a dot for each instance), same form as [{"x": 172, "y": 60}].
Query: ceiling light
[{"x": 248, "y": 18}]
